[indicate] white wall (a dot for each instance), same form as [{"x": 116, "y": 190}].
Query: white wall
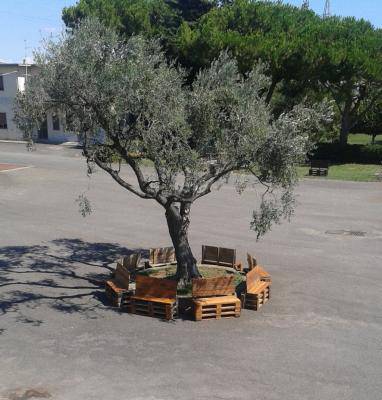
[
  {"x": 14, "y": 80},
  {"x": 59, "y": 136},
  {"x": 6, "y": 105}
]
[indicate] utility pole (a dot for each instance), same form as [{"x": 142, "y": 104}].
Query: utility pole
[
  {"x": 327, "y": 12},
  {"x": 305, "y": 5},
  {"x": 25, "y": 60}
]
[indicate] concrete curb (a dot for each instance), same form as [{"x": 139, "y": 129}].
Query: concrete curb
[{"x": 13, "y": 141}]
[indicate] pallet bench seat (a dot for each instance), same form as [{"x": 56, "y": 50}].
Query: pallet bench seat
[
  {"x": 319, "y": 168},
  {"x": 154, "y": 297},
  {"x": 117, "y": 289},
  {"x": 161, "y": 256},
  {"x": 257, "y": 293},
  {"x": 220, "y": 256},
  {"x": 216, "y": 307},
  {"x": 252, "y": 265},
  {"x": 214, "y": 298}
]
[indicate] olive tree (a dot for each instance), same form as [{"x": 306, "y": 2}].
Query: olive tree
[{"x": 133, "y": 110}]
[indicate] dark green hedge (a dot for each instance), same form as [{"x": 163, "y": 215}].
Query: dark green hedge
[{"x": 351, "y": 153}]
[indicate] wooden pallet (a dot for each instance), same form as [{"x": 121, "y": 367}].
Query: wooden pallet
[
  {"x": 213, "y": 287},
  {"x": 255, "y": 299},
  {"x": 319, "y": 168},
  {"x": 117, "y": 288},
  {"x": 157, "y": 308},
  {"x": 160, "y": 257},
  {"x": 116, "y": 295},
  {"x": 216, "y": 307},
  {"x": 212, "y": 255},
  {"x": 257, "y": 270},
  {"x": 264, "y": 275},
  {"x": 318, "y": 172},
  {"x": 154, "y": 297},
  {"x": 126, "y": 299}
]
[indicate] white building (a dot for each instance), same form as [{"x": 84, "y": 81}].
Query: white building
[{"x": 12, "y": 80}]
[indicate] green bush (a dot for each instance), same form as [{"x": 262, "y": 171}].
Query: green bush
[{"x": 351, "y": 153}]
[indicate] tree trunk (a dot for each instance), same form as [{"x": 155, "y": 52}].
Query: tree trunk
[
  {"x": 178, "y": 222},
  {"x": 344, "y": 133},
  {"x": 345, "y": 123},
  {"x": 271, "y": 90}
]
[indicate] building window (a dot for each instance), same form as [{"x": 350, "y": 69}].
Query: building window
[
  {"x": 1, "y": 82},
  {"x": 56, "y": 122},
  {"x": 3, "y": 121}
]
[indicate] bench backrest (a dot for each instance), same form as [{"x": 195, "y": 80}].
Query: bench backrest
[
  {"x": 210, "y": 255},
  {"x": 252, "y": 279},
  {"x": 162, "y": 255},
  {"x": 147, "y": 286},
  {"x": 319, "y": 164},
  {"x": 227, "y": 257},
  {"x": 220, "y": 286},
  {"x": 218, "y": 256},
  {"x": 130, "y": 262},
  {"x": 251, "y": 262},
  {"x": 122, "y": 276}
]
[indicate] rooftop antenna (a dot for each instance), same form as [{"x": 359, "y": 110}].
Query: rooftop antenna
[
  {"x": 25, "y": 59},
  {"x": 327, "y": 12},
  {"x": 305, "y": 5}
]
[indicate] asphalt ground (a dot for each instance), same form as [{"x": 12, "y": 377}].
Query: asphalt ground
[{"x": 320, "y": 336}]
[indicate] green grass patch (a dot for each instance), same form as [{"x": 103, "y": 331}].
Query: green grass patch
[
  {"x": 347, "y": 172},
  {"x": 361, "y": 138}
]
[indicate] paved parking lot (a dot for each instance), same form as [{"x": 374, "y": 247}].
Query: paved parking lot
[{"x": 320, "y": 336}]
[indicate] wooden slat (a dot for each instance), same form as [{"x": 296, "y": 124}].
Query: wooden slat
[
  {"x": 219, "y": 286},
  {"x": 147, "y": 286},
  {"x": 254, "y": 301},
  {"x": 319, "y": 167},
  {"x": 113, "y": 286},
  {"x": 146, "y": 307},
  {"x": 214, "y": 301},
  {"x": 122, "y": 277},
  {"x": 210, "y": 255},
  {"x": 154, "y": 299},
  {"x": 251, "y": 262},
  {"x": 258, "y": 288},
  {"x": 162, "y": 255},
  {"x": 130, "y": 262},
  {"x": 227, "y": 257},
  {"x": 216, "y": 307},
  {"x": 117, "y": 296},
  {"x": 252, "y": 280},
  {"x": 265, "y": 276}
]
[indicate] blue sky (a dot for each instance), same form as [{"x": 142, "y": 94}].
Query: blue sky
[{"x": 32, "y": 20}]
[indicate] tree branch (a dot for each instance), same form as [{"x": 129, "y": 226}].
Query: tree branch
[
  {"x": 370, "y": 105},
  {"x": 114, "y": 174},
  {"x": 216, "y": 177}
]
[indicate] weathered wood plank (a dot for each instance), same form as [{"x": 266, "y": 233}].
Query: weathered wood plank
[{"x": 219, "y": 286}]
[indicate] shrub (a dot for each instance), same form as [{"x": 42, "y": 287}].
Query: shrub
[{"x": 351, "y": 153}]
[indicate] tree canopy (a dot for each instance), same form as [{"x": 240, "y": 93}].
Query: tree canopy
[
  {"x": 130, "y": 105},
  {"x": 348, "y": 57},
  {"x": 306, "y": 56}
]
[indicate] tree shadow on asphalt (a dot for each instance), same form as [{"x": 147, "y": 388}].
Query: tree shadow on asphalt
[{"x": 64, "y": 274}]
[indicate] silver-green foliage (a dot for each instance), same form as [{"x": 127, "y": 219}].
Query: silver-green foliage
[{"x": 130, "y": 105}]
